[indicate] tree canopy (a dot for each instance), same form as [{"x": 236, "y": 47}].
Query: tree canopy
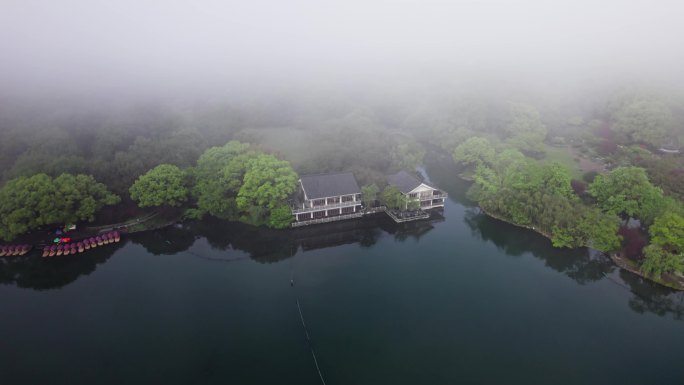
[
  {"x": 164, "y": 185},
  {"x": 267, "y": 183},
  {"x": 29, "y": 202},
  {"x": 369, "y": 194},
  {"x": 646, "y": 121},
  {"x": 525, "y": 129},
  {"x": 539, "y": 195},
  {"x": 474, "y": 152},
  {"x": 237, "y": 182},
  {"x": 627, "y": 191},
  {"x": 667, "y": 232},
  {"x": 218, "y": 178},
  {"x": 392, "y": 198},
  {"x": 658, "y": 261}
]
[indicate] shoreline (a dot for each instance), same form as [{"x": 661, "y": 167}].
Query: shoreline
[{"x": 669, "y": 280}]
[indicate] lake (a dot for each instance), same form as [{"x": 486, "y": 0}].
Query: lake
[{"x": 459, "y": 299}]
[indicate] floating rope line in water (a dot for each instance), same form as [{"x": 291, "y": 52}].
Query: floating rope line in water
[{"x": 308, "y": 340}]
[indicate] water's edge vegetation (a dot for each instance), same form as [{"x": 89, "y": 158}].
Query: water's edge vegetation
[{"x": 592, "y": 176}]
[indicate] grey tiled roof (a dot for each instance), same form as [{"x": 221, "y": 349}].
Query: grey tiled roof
[
  {"x": 329, "y": 185},
  {"x": 404, "y": 181}
]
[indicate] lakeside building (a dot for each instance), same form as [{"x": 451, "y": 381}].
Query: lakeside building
[
  {"x": 326, "y": 198},
  {"x": 412, "y": 188},
  {"x": 333, "y": 197}
]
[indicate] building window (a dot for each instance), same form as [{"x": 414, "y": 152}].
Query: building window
[
  {"x": 413, "y": 195},
  {"x": 333, "y": 212},
  {"x": 318, "y": 214},
  {"x": 303, "y": 217},
  {"x": 332, "y": 201},
  {"x": 348, "y": 198},
  {"x": 347, "y": 210},
  {"x": 425, "y": 203},
  {"x": 319, "y": 202}
]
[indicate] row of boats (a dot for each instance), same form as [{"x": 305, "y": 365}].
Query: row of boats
[
  {"x": 12, "y": 250},
  {"x": 82, "y": 245}
]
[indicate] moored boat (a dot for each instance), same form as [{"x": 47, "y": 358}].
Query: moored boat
[
  {"x": 60, "y": 250},
  {"x": 117, "y": 236},
  {"x": 66, "y": 250},
  {"x": 25, "y": 249},
  {"x": 93, "y": 242},
  {"x": 3, "y": 250},
  {"x": 46, "y": 251},
  {"x": 53, "y": 250},
  {"x": 80, "y": 246},
  {"x": 98, "y": 239}
]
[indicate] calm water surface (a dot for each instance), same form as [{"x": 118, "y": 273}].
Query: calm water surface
[{"x": 457, "y": 300}]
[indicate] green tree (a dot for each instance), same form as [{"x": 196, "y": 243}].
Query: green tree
[
  {"x": 627, "y": 191},
  {"x": 392, "y": 198},
  {"x": 79, "y": 197},
  {"x": 600, "y": 230},
  {"x": 267, "y": 183},
  {"x": 667, "y": 232},
  {"x": 407, "y": 155},
  {"x": 281, "y": 217},
  {"x": 412, "y": 204},
  {"x": 658, "y": 261},
  {"x": 369, "y": 194},
  {"x": 164, "y": 185},
  {"x": 539, "y": 195},
  {"x": 218, "y": 177},
  {"x": 213, "y": 162},
  {"x": 645, "y": 121},
  {"x": 26, "y": 203},
  {"x": 29, "y": 202},
  {"x": 525, "y": 129},
  {"x": 556, "y": 179},
  {"x": 474, "y": 151}
]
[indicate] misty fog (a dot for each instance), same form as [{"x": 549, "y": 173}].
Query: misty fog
[
  {"x": 487, "y": 160},
  {"x": 133, "y": 47}
]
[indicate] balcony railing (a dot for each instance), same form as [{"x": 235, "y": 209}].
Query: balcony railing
[
  {"x": 437, "y": 196},
  {"x": 328, "y": 219},
  {"x": 310, "y": 208}
]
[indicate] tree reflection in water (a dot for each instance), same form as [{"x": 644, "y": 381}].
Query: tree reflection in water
[
  {"x": 34, "y": 272},
  {"x": 651, "y": 298},
  {"x": 582, "y": 265}
]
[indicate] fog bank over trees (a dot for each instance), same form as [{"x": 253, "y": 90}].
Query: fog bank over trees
[{"x": 88, "y": 48}]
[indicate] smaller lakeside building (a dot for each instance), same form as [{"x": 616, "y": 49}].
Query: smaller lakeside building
[{"x": 413, "y": 189}]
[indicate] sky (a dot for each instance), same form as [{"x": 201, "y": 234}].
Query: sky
[{"x": 178, "y": 44}]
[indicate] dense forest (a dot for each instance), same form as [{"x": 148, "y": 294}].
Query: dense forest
[{"x": 580, "y": 168}]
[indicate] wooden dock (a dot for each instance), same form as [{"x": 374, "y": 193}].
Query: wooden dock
[
  {"x": 328, "y": 219},
  {"x": 399, "y": 217},
  {"x": 404, "y": 216}
]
